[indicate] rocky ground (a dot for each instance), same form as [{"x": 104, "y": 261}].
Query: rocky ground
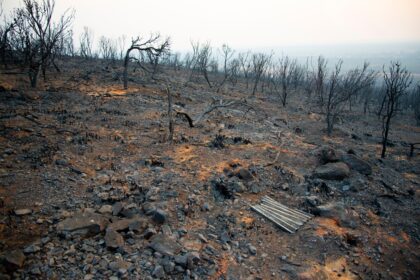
[{"x": 91, "y": 189}]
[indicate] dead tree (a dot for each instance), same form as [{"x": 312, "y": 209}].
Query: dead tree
[
  {"x": 191, "y": 60},
  {"x": 416, "y": 104},
  {"x": 227, "y": 54},
  {"x": 175, "y": 61},
  {"x": 397, "y": 80},
  {"x": 5, "y": 29},
  {"x": 341, "y": 88},
  {"x": 170, "y": 119},
  {"x": 259, "y": 64},
  {"x": 121, "y": 46},
  {"x": 86, "y": 43},
  {"x": 334, "y": 98},
  {"x": 246, "y": 66},
  {"x": 107, "y": 48},
  {"x": 67, "y": 45},
  {"x": 152, "y": 45},
  {"x": 216, "y": 104},
  {"x": 297, "y": 75},
  {"x": 234, "y": 70},
  {"x": 204, "y": 60},
  {"x": 39, "y": 35},
  {"x": 308, "y": 80},
  {"x": 154, "y": 59},
  {"x": 319, "y": 77},
  {"x": 366, "y": 98},
  {"x": 283, "y": 76}
]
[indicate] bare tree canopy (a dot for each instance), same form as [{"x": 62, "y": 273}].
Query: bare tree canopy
[
  {"x": 37, "y": 36},
  {"x": 340, "y": 88},
  {"x": 397, "y": 80},
  {"x": 260, "y": 63},
  {"x": 153, "y": 46}
]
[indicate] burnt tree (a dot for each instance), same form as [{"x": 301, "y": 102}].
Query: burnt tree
[
  {"x": 397, "y": 80},
  {"x": 153, "y": 46}
]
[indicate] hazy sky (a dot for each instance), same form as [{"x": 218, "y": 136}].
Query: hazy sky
[{"x": 250, "y": 23}]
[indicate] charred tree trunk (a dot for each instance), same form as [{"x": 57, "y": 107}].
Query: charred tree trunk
[
  {"x": 171, "y": 123},
  {"x": 387, "y": 122},
  {"x": 33, "y": 75},
  {"x": 125, "y": 73},
  {"x": 207, "y": 78}
]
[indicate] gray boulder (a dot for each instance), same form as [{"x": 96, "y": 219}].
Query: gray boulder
[
  {"x": 357, "y": 164},
  {"x": 165, "y": 245},
  {"x": 332, "y": 171},
  {"x": 83, "y": 223},
  {"x": 14, "y": 260},
  {"x": 113, "y": 239}
]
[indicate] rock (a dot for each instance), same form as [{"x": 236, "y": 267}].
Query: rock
[
  {"x": 357, "y": 164},
  {"x": 165, "y": 245},
  {"x": 138, "y": 225},
  {"x": 202, "y": 238},
  {"x": 332, "y": 171},
  {"x": 181, "y": 260},
  {"x": 61, "y": 162},
  {"x": 345, "y": 188},
  {"x": 192, "y": 259},
  {"x": 105, "y": 209},
  {"x": 166, "y": 230},
  {"x": 227, "y": 189},
  {"x": 36, "y": 271},
  {"x": 335, "y": 211},
  {"x": 158, "y": 272},
  {"x": 148, "y": 233},
  {"x": 128, "y": 213},
  {"x": 329, "y": 210},
  {"x": 327, "y": 155},
  {"x": 124, "y": 224},
  {"x": 22, "y": 212},
  {"x": 83, "y": 223},
  {"x": 116, "y": 208},
  {"x": 244, "y": 174},
  {"x": 252, "y": 249},
  {"x": 103, "y": 179},
  {"x": 113, "y": 239},
  {"x": 14, "y": 260},
  {"x": 159, "y": 216},
  {"x": 168, "y": 266},
  {"x": 312, "y": 200},
  {"x": 254, "y": 188},
  {"x": 119, "y": 225},
  {"x": 119, "y": 265},
  {"x": 104, "y": 196},
  {"x": 31, "y": 249},
  {"x": 205, "y": 207},
  {"x": 149, "y": 208},
  {"x": 189, "y": 260}
]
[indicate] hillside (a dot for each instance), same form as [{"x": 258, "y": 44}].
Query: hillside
[{"x": 92, "y": 189}]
